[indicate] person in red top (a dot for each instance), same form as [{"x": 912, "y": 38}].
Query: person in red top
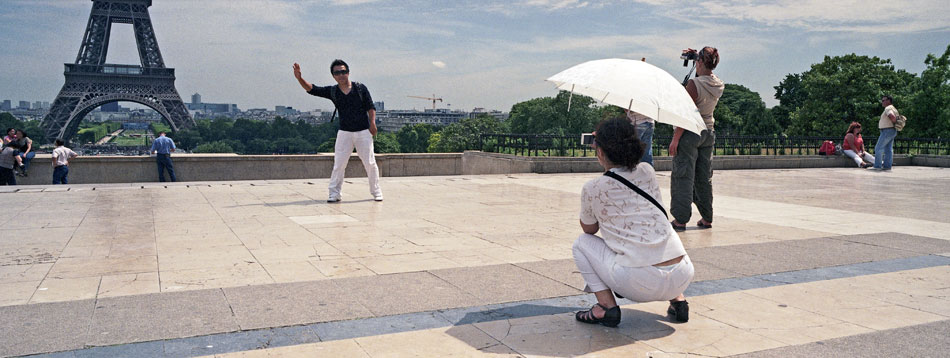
[{"x": 854, "y": 146}]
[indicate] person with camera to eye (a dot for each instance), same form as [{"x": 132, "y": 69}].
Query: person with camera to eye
[
  {"x": 637, "y": 255},
  {"x": 691, "y": 180}
]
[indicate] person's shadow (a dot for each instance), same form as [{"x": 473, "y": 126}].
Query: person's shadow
[{"x": 536, "y": 330}]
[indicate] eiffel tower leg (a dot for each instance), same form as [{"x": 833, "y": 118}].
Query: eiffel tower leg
[{"x": 57, "y": 120}]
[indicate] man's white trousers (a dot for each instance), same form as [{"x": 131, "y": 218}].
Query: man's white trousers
[{"x": 345, "y": 142}]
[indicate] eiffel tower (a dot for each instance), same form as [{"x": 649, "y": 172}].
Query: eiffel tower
[{"x": 91, "y": 82}]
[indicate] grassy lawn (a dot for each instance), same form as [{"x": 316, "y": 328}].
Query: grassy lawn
[{"x": 130, "y": 138}]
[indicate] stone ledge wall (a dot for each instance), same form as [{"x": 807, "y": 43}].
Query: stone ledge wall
[
  {"x": 493, "y": 163},
  {"x": 220, "y": 167}
]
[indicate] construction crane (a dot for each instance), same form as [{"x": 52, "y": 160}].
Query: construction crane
[{"x": 433, "y": 99}]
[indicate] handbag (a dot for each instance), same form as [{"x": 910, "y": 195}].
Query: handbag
[{"x": 638, "y": 190}]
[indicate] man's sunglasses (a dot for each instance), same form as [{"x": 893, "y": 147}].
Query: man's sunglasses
[{"x": 343, "y": 72}]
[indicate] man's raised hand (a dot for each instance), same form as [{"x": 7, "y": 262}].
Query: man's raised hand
[{"x": 296, "y": 70}]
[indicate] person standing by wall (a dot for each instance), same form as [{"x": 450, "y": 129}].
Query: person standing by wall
[
  {"x": 645, "y": 128},
  {"x": 884, "y": 148},
  {"x": 163, "y": 148},
  {"x": 61, "y": 157},
  {"x": 691, "y": 180},
  {"x": 357, "y": 126},
  {"x": 7, "y": 161}
]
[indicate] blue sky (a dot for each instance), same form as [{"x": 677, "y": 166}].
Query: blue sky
[{"x": 488, "y": 53}]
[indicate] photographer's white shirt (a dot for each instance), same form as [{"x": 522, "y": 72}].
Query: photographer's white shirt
[{"x": 630, "y": 224}]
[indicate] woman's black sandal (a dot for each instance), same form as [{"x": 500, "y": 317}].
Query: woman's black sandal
[
  {"x": 679, "y": 310},
  {"x": 611, "y": 316},
  {"x": 704, "y": 226}
]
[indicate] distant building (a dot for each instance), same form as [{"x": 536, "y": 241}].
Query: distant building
[
  {"x": 392, "y": 121},
  {"x": 6, "y": 105},
  {"x": 285, "y": 110},
  {"x": 499, "y": 115},
  {"x": 110, "y": 107},
  {"x": 24, "y": 105},
  {"x": 380, "y": 106},
  {"x": 196, "y": 107}
]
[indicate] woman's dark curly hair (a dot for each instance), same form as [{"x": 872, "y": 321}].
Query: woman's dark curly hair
[{"x": 618, "y": 139}]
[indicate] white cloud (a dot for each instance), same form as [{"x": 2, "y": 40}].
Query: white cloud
[
  {"x": 843, "y": 15},
  {"x": 438, "y": 64},
  {"x": 557, "y": 4}
]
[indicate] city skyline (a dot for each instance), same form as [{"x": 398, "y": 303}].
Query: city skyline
[{"x": 472, "y": 54}]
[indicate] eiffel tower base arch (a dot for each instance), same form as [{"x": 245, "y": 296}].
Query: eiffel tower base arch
[{"x": 83, "y": 93}]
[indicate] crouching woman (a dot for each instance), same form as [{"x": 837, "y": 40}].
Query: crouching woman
[{"x": 637, "y": 254}]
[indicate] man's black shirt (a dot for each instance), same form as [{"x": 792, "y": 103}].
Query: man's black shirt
[{"x": 353, "y": 117}]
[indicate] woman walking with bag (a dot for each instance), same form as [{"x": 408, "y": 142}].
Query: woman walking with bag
[{"x": 637, "y": 255}]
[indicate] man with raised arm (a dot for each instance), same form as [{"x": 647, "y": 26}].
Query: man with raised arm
[{"x": 357, "y": 126}]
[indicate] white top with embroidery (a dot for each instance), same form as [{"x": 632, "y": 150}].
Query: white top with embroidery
[{"x": 630, "y": 224}]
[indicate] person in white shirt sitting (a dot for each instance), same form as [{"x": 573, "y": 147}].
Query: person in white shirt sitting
[{"x": 637, "y": 254}]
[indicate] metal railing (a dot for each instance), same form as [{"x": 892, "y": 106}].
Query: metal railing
[{"x": 570, "y": 146}]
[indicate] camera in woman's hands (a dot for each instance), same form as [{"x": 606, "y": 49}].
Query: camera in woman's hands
[
  {"x": 587, "y": 138},
  {"x": 689, "y": 54}
]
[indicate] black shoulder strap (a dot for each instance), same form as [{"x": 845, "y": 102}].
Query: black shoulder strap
[
  {"x": 333, "y": 90},
  {"x": 359, "y": 90},
  {"x": 638, "y": 190}
]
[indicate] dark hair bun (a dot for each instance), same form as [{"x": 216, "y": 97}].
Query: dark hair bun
[{"x": 618, "y": 139}]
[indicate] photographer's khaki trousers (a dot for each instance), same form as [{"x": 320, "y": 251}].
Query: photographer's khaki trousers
[{"x": 691, "y": 181}]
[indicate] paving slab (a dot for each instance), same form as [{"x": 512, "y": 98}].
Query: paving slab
[
  {"x": 563, "y": 271},
  {"x": 405, "y": 293},
  {"x": 924, "y": 341},
  {"x": 378, "y": 326},
  {"x": 508, "y": 283},
  {"x": 52, "y": 327},
  {"x": 894, "y": 240},
  {"x": 279, "y": 305},
  {"x": 160, "y": 316}
]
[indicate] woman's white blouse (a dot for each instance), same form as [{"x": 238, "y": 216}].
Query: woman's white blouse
[{"x": 630, "y": 224}]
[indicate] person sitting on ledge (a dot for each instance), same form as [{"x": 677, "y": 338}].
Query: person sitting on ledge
[
  {"x": 853, "y": 146},
  {"x": 637, "y": 255}
]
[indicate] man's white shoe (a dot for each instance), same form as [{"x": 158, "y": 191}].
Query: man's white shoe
[
  {"x": 333, "y": 199},
  {"x": 378, "y": 197}
]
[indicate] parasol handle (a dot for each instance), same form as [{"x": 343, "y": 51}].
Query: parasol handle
[{"x": 569, "y": 98}]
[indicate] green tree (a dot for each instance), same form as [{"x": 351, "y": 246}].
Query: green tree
[
  {"x": 434, "y": 142},
  {"x": 550, "y": 115},
  {"x": 463, "y": 135},
  {"x": 327, "y": 146},
  {"x": 386, "y": 143},
  {"x": 790, "y": 96},
  {"x": 292, "y": 145},
  {"x": 928, "y": 109},
  {"x": 842, "y": 89},
  {"x": 414, "y": 138},
  {"x": 214, "y": 147},
  {"x": 259, "y": 146},
  {"x": 741, "y": 111},
  {"x": 186, "y": 139}
]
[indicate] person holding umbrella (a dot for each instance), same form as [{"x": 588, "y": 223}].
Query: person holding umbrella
[{"x": 691, "y": 180}]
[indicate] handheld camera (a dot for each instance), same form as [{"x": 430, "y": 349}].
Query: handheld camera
[{"x": 587, "y": 138}]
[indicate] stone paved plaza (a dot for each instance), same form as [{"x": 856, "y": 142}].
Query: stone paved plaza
[{"x": 801, "y": 263}]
